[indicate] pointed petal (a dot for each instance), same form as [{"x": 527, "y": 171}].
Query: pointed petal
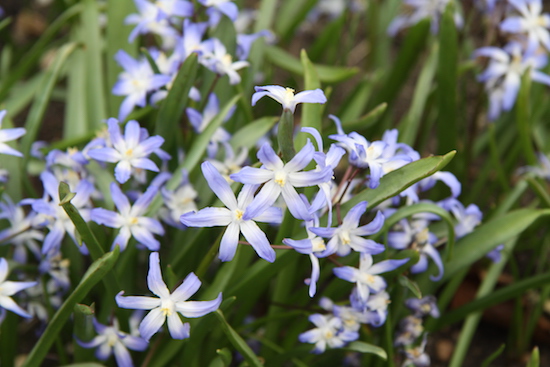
[
  {"x": 257, "y": 238},
  {"x": 178, "y": 330},
  {"x": 154, "y": 277},
  {"x": 137, "y": 302},
  {"x": 198, "y": 308},
  {"x": 152, "y": 323},
  {"x": 187, "y": 288},
  {"x": 229, "y": 242},
  {"x": 219, "y": 185}
]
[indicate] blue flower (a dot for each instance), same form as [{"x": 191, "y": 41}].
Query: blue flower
[
  {"x": 286, "y": 96},
  {"x": 130, "y": 151},
  {"x": 418, "y": 10},
  {"x": 328, "y": 332},
  {"x": 234, "y": 217},
  {"x": 168, "y": 305},
  {"x": 530, "y": 21},
  {"x": 216, "y": 58},
  {"x": 348, "y": 235},
  {"x": 135, "y": 82},
  {"x": 8, "y": 289},
  {"x": 8, "y": 135},
  {"x": 366, "y": 277},
  {"x": 110, "y": 340},
  {"x": 130, "y": 219},
  {"x": 282, "y": 179}
]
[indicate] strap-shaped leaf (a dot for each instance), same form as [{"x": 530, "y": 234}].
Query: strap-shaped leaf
[
  {"x": 237, "y": 341},
  {"x": 93, "y": 275}
]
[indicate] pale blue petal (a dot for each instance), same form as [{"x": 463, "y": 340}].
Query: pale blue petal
[
  {"x": 386, "y": 265},
  {"x": 310, "y": 96},
  {"x": 137, "y": 302},
  {"x": 123, "y": 170},
  {"x": 229, "y": 242},
  {"x": 257, "y": 238},
  {"x": 265, "y": 198},
  {"x": 346, "y": 272},
  {"x": 354, "y": 215},
  {"x": 207, "y": 217},
  {"x": 178, "y": 330},
  {"x": 301, "y": 159},
  {"x": 436, "y": 257},
  {"x": 269, "y": 158},
  {"x": 152, "y": 323},
  {"x": 105, "y": 155},
  {"x": 187, "y": 288},
  {"x": 106, "y": 217},
  {"x": 122, "y": 356},
  {"x": 219, "y": 185},
  {"x": 295, "y": 204},
  {"x": 254, "y": 176},
  {"x": 374, "y": 226},
  {"x": 154, "y": 277}
]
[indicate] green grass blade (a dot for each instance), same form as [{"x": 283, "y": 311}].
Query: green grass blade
[
  {"x": 238, "y": 342},
  {"x": 249, "y": 134},
  {"x": 33, "y": 55},
  {"x": 362, "y": 347},
  {"x": 395, "y": 182},
  {"x": 487, "y": 362},
  {"x": 311, "y": 112},
  {"x": 93, "y": 275},
  {"x": 171, "y": 110},
  {"x": 34, "y": 120},
  {"x": 523, "y": 119},
  {"x": 447, "y": 81},
  {"x": 327, "y": 74},
  {"x": 534, "y": 360}
]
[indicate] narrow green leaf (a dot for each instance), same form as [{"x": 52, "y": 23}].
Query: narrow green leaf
[
  {"x": 534, "y": 360},
  {"x": 93, "y": 275},
  {"x": 225, "y": 355},
  {"x": 34, "y": 120},
  {"x": 395, "y": 182},
  {"x": 250, "y": 133},
  {"x": 37, "y": 50},
  {"x": 311, "y": 112},
  {"x": 409, "y": 53},
  {"x": 367, "y": 120},
  {"x": 171, "y": 110},
  {"x": 523, "y": 119},
  {"x": 363, "y": 347},
  {"x": 290, "y": 14},
  {"x": 116, "y": 34},
  {"x": 83, "y": 330},
  {"x": 487, "y": 362},
  {"x": 447, "y": 81},
  {"x": 487, "y": 236},
  {"x": 93, "y": 57},
  {"x": 238, "y": 342},
  {"x": 4, "y": 23},
  {"x": 327, "y": 74},
  {"x": 410, "y": 124},
  {"x": 410, "y": 285},
  {"x": 285, "y": 134}
]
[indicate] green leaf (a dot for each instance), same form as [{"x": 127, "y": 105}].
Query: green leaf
[
  {"x": 311, "y": 112},
  {"x": 171, "y": 110},
  {"x": 34, "y": 120},
  {"x": 367, "y": 120},
  {"x": 93, "y": 275},
  {"x": 410, "y": 285},
  {"x": 238, "y": 342},
  {"x": 395, "y": 182},
  {"x": 285, "y": 135},
  {"x": 290, "y": 14},
  {"x": 93, "y": 59},
  {"x": 225, "y": 355},
  {"x": 83, "y": 330},
  {"x": 38, "y": 49},
  {"x": 492, "y": 357},
  {"x": 249, "y": 134},
  {"x": 523, "y": 119},
  {"x": 363, "y": 347},
  {"x": 534, "y": 360},
  {"x": 327, "y": 74},
  {"x": 487, "y": 236},
  {"x": 409, "y": 53},
  {"x": 447, "y": 81}
]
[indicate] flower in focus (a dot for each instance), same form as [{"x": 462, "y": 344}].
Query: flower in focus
[
  {"x": 130, "y": 151},
  {"x": 286, "y": 96},
  {"x": 234, "y": 217},
  {"x": 167, "y": 305},
  {"x": 130, "y": 219}
]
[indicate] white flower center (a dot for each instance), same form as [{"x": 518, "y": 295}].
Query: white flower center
[
  {"x": 167, "y": 307},
  {"x": 280, "y": 178}
]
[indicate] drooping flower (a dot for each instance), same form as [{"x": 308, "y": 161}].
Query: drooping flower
[
  {"x": 168, "y": 305},
  {"x": 286, "y": 96},
  {"x": 234, "y": 217}
]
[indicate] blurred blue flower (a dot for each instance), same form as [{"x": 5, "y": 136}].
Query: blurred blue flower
[
  {"x": 9, "y": 135},
  {"x": 7, "y": 289}
]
